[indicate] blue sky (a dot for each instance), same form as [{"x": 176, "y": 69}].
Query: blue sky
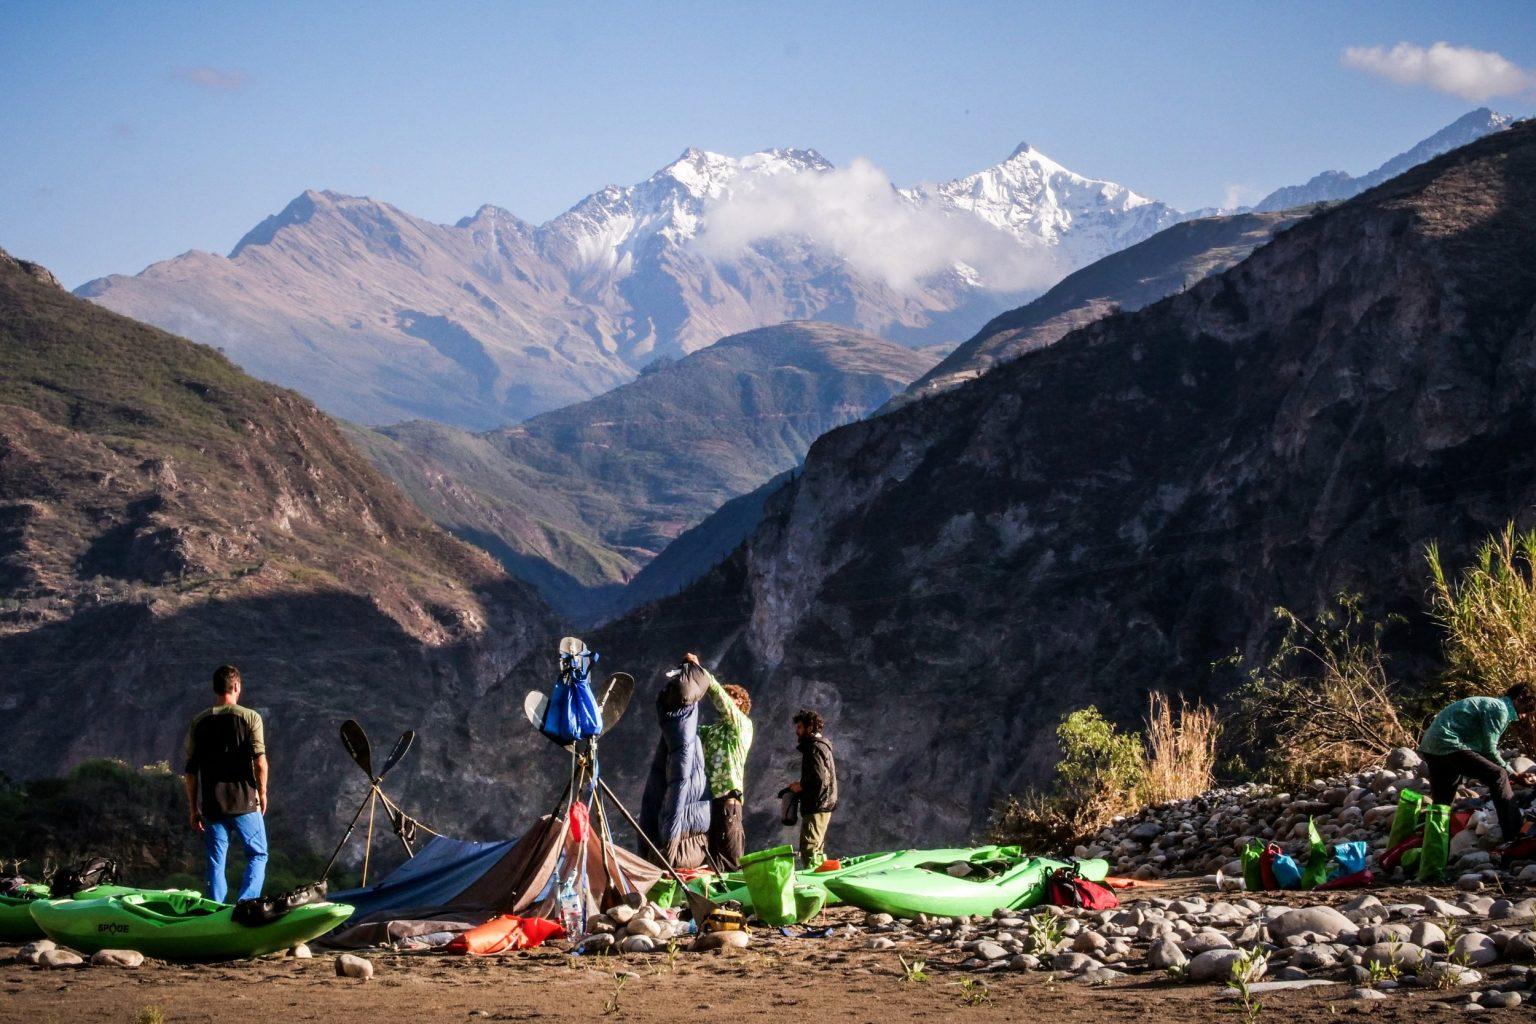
[{"x": 134, "y": 132}]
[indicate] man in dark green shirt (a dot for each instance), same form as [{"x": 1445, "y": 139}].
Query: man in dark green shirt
[
  {"x": 1463, "y": 742},
  {"x": 226, "y": 782}
]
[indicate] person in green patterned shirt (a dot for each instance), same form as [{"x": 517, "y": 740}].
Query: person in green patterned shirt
[{"x": 726, "y": 742}]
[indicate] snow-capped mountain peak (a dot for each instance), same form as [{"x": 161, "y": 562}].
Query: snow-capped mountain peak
[{"x": 1036, "y": 199}]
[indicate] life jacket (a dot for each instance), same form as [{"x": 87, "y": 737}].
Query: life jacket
[{"x": 1067, "y": 888}]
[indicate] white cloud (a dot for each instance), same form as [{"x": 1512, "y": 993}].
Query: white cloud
[
  {"x": 213, "y": 79},
  {"x": 1475, "y": 75},
  {"x": 1237, "y": 194},
  {"x": 856, "y": 213}
]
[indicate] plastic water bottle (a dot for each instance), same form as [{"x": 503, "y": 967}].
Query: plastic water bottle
[{"x": 570, "y": 910}]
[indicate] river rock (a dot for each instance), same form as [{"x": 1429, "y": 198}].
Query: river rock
[
  {"x": 1217, "y": 964},
  {"x": 1448, "y": 975},
  {"x": 597, "y": 942},
  {"x": 1165, "y": 954},
  {"x": 301, "y": 952},
  {"x": 988, "y": 950},
  {"x": 1324, "y": 921},
  {"x": 1521, "y": 946},
  {"x": 1404, "y": 759},
  {"x": 643, "y": 926},
  {"x": 117, "y": 958},
  {"x": 349, "y": 965},
  {"x": 638, "y": 944},
  {"x": 1475, "y": 949},
  {"x": 1428, "y": 935},
  {"x": 60, "y": 958},
  {"x": 1367, "y": 995},
  {"x": 734, "y": 939},
  {"x": 1393, "y": 954},
  {"x": 32, "y": 952}
]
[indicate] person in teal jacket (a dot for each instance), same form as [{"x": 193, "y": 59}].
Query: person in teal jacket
[{"x": 1463, "y": 742}]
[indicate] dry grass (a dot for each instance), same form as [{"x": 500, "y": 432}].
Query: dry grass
[
  {"x": 1180, "y": 758},
  {"x": 1323, "y": 705},
  {"x": 1488, "y": 612}
]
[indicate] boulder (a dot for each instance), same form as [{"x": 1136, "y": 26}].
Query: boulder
[{"x": 1404, "y": 759}]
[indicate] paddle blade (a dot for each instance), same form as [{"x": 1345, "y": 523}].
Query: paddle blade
[
  {"x": 356, "y": 742},
  {"x": 615, "y": 698},
  {"x": 401, "y": 746}
]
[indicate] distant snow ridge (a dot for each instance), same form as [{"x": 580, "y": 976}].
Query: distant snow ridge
[
  {"x": 606, "y": 229},
  {"x": 1035, "y": 199}
]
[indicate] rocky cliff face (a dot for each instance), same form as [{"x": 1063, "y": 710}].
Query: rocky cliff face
[
  {"x": 162, "y": 513},
  {"x": 1168, "y": 262},
  {"x": 1116, "y": 512},
  {"x": 577, "y": 500}
]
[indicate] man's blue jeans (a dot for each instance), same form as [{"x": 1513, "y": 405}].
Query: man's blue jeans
[{"x": 252, "y": 830}]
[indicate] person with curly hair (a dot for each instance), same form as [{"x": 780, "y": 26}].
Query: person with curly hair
[
  {"x": 816, "y": 788},
  {"x": 726, "y": 742}
]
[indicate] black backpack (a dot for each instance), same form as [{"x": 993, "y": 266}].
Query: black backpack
[
  {"x": 260, "y": 910},
  {"x": 66, "y": 882}
]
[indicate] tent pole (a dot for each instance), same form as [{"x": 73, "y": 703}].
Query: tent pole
[{"x": 368, "y": 847}]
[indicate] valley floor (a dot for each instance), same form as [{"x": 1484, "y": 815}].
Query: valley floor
[{"x": 777, "y": 979}]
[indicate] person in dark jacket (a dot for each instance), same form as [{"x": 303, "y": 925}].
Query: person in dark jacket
[
  {"x": 817, "y": 787},
  {"x": 674, "y": 809}
]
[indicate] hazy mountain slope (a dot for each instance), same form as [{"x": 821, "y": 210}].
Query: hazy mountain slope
[
  {"x": 1168, "y": 262},
  {"x": 161, "y": 512},
  {"x": 1331, "y": 186},
  {"x": 1120, "y": 510},
  {"x": 577, "y": 500},
  {"x": 380, "y": 316}
]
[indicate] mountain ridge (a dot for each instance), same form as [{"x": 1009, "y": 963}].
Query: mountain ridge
[{"x": 1122, "y": 510}]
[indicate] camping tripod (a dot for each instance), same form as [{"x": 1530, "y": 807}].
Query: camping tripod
[{"x": 356, "y": 743}]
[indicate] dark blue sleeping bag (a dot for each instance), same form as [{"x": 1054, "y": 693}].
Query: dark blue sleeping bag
[{"x": 675, "y": 809}]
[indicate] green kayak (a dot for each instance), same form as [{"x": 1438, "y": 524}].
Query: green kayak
[
  {"x": 178, "y": 926},
  {"x": 997, "y": 877},
  {"x": 734, "y": 885},
  {"x": 16, "y": 924}
]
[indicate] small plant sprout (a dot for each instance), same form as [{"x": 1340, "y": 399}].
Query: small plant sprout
[
  {"x": 973, "y": 992},
  {"x": 914, "y": 972}
]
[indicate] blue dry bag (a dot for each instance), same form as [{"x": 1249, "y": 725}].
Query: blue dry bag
[
  {"x": 573, "y": 713},
  {"x": 1351, "y": 858}
]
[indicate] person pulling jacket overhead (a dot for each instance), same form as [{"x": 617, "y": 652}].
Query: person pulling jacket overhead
[
  {"x": 817, "y": 786},
  {"x": 1463, "y": 742},
  {"x": 726, "y": 742}
]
